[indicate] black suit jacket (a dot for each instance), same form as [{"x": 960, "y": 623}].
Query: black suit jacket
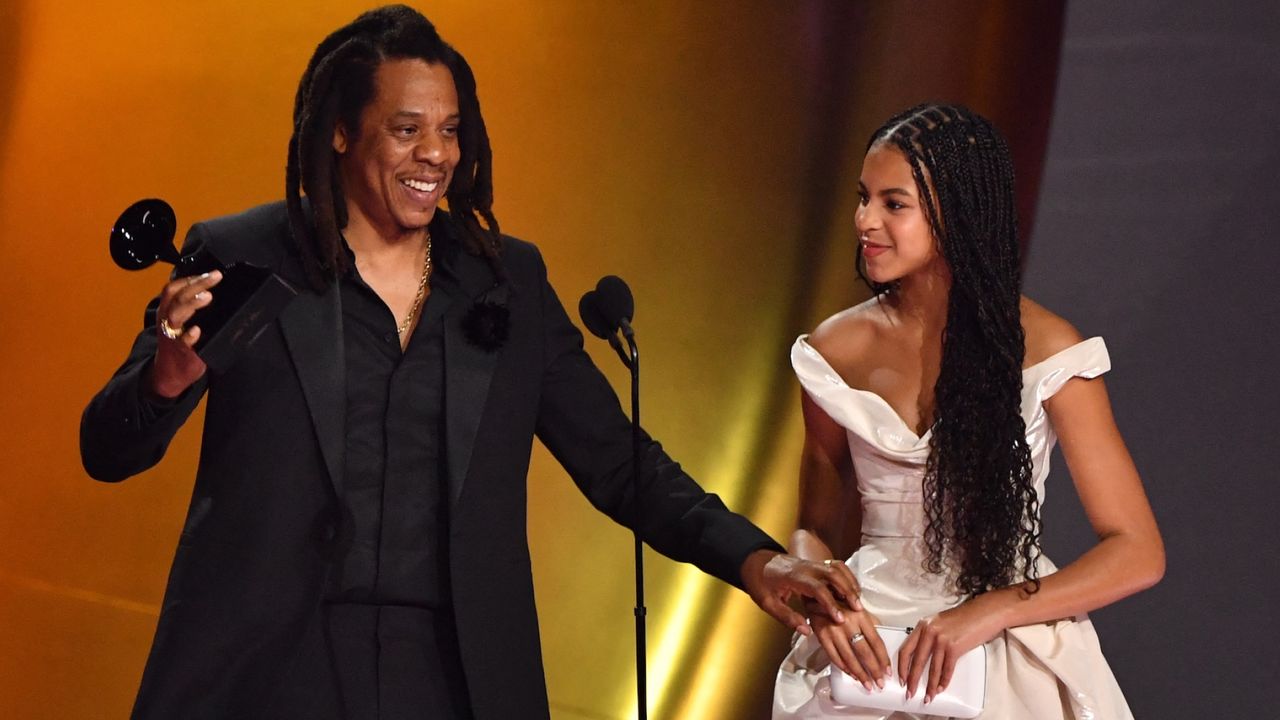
[{"x": 263, "y": 521}]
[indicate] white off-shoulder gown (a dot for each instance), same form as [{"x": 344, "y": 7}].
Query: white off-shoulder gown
[{"x": 1048, "y": 670}]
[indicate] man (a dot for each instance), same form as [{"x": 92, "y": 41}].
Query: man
[{"x": 355, "y": 545}]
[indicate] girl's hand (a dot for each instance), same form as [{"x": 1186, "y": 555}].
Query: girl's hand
[
  {"x": 854, "y": 646},
  {"x": 939, "y": 640}
]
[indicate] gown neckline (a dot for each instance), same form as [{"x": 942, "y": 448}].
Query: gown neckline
[{"x": 885, "y": 403}]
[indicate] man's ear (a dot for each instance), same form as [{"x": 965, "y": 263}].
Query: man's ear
[{"x": 339, "y": 138}]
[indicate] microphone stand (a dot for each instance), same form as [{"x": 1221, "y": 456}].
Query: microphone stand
[
  {"x": 607, "y": 322},
  {"x": 631, "y": 358}
]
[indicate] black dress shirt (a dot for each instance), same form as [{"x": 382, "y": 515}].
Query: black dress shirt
[{"x": 395, "y": 518}]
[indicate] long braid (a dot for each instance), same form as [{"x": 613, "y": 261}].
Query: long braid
[
  {"x": 317, "y": 247},
  {"x": 981, "y": 507},
  {"x": 471, "y": 193},
  {"x": 315, "y": 142},
  {"x": 336, "y": 85}
]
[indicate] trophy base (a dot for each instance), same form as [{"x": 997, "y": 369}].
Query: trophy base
[{"x": 246, "y": 301}]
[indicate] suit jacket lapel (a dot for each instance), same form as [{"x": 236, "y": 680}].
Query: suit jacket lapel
[
  {"x": 312, "y": 326},
  {"x": 468, "y": 369}
]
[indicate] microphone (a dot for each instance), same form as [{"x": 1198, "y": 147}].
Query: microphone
[
  {"x": 592, "y": 317},
  {"x": 616, "y": 305},
  {"x": 607, "y": 309}
]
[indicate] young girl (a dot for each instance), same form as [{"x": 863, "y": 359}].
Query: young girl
[{"x": 930, "y": 413}]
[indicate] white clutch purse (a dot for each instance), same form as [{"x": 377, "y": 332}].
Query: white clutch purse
[{"x": 963, "y": 697}]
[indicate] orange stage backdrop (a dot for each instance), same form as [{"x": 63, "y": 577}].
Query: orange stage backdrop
[{"x": 706, "y": 151}]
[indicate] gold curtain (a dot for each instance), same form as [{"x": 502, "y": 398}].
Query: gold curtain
[{"x": 706, "y": 151}]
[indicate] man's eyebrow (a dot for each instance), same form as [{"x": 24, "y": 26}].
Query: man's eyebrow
[{"x": 415, "y": 114}]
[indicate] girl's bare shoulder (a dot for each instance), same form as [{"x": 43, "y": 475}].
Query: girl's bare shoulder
[
  {"x": 1047, "y": 333},
  {"x": 846, "y": 337}
]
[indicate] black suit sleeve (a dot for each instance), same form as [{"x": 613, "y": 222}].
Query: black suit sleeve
[
  {"x": 126, "y": 430},
  {"x": 582, "y": 424}
]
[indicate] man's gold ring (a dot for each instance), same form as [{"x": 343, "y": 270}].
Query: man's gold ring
[{"x": 168, "y": 330}]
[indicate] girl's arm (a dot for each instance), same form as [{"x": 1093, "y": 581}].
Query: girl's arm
[
  {"x": 1129, "y": 556},
  {"x": 829, "y": 529},
  {"x": 830, "y": 516}
]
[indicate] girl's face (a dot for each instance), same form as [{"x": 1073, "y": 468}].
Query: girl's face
[{"x": 893, "y": 228}]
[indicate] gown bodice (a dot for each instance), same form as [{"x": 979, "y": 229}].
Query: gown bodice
[
  {"x": 1053, "y": 669},
  {"x": 889, "y": 459}
]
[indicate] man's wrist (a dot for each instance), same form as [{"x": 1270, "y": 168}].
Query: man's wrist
[{"x": 753, "y": 565}]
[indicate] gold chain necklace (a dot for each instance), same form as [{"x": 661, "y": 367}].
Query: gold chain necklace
[{"x": 422, "y": 292}]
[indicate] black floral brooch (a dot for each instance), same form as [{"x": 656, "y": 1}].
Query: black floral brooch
[{"x": 487, "y": 324}]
